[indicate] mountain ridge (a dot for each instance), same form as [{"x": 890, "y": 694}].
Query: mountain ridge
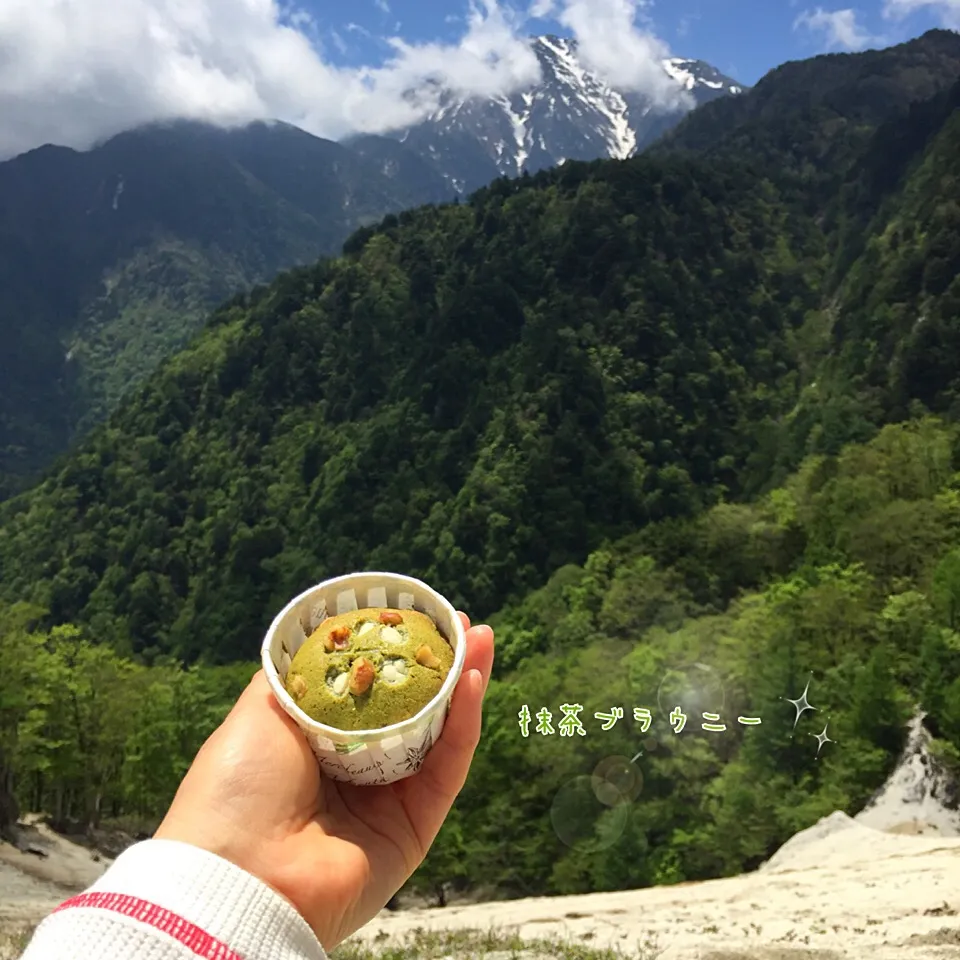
[{"x": 146, "y": 233}]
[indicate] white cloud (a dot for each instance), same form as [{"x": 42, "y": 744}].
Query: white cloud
[
  {"x": 541, "y": 9},
  {"x": 947, "y": 10},
  {"x": 76, "y": 71},
  {"x": 363, "y": 31},
  {"x": 382, "y": 5},
  {"x": 627, "y": 55},
  {"x": 838, "y": 29},
  {"x": 490, "y": 59}
]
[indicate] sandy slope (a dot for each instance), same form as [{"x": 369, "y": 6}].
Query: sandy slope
[
  {"x": 883, "y": 886},
  {"x": 839, "y": 890},
  {"x": 31, "y": 886}
]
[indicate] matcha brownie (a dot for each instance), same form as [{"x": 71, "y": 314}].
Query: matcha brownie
[{"x": 369, "y": 668}]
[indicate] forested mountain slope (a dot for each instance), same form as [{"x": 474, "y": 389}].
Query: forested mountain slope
[
  {"x": 810, "y": 116},
  {"x": 901, "y": 299},
  {"x": 609, "y": 407},
  {"x": 846, "y": 578},
  {"x": 478, "y": 393},
  {"x": 151, "y": 230},
  {"x": 111, "y": 258}
]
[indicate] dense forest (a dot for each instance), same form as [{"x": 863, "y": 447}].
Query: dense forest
[
  {"x": 692, "y": 415},
  {"x": 112, "y": 258},
  {"x": 847, "y": 577}
]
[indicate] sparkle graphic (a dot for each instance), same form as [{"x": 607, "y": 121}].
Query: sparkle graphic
[
  {"x": 822, "y": 738},
  {"x": 801, "y": 704},
  {"x": 634, "y": 758}
]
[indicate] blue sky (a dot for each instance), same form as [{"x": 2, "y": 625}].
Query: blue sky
[
  {"x": 75, "y": 72},
  {"x": 744, "y": 38}
]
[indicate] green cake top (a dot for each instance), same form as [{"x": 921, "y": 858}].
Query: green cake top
[{"x": 369, "y": 668}]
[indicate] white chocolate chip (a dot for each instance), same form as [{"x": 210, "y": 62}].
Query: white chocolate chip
[
  {"x": 394, "y": 671},
  {"x": 391, "y": 635},
  {"x": 365, "y": 627},
  {"x": 340, "y": 684}
]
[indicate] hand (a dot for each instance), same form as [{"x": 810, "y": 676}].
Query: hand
[{"x": 337, "y": 852}]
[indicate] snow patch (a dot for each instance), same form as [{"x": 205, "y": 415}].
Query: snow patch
[
  {"x": 552, "y": 47},
  {"x": 519, "y": 123},
  {"x": 625, "y": 137},
  {"x": 675, "y": 69},
  {"x": 595, "y": 94},
  {"x": 457, "y": 184},
  {"x": 597, "y": 115}
]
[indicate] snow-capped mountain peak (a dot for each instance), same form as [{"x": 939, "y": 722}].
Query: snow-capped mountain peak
[{"x": 573, "y": 113}]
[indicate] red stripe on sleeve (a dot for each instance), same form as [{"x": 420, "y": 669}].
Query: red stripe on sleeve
[{"x": 181, "y": 929}]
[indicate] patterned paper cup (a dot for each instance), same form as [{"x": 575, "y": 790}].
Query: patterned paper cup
[{"x": 364, "y": 756}]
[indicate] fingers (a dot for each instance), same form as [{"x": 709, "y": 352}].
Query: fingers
[
  {"x": 479, "y": 648},
  {"x": 256, "y": 694},
  {"x": 480, "y": 652},
  {"x": 259, "y": 707},
  {"x": 461, "y": 732},
  {"x": 445, "y": 769}
]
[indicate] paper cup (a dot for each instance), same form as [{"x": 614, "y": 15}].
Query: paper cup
[{"x": 389, "y": 753}]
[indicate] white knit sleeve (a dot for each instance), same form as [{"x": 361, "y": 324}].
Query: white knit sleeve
[{"x": 164, "y": 900}]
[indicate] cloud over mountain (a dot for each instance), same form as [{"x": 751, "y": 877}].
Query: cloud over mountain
[{"x": 76, "y": 71}]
